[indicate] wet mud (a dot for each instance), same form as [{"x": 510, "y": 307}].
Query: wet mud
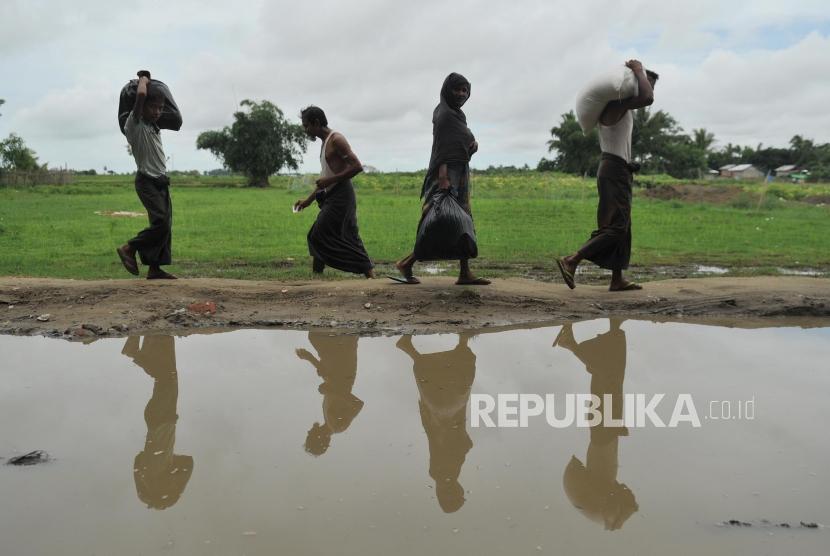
[{"x": 85, "y": 310}]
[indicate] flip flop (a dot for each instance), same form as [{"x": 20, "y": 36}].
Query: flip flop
[
  {"x": 631, "y": 286},
  {"x": 566, "y": 276},
  {"x": 410, "y": 280},
  {"x": 129, "y": 262},
  {"x": 162, "y": 276},
  {"x": 476, "y": 282}
]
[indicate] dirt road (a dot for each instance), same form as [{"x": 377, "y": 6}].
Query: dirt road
[{"x": 82, "y": 310}]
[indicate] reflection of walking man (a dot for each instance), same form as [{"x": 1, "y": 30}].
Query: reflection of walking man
[
  {"x": 336, "y": 364},
  {"x": 593, "y": 487},
  {"x": 160, "y": 475},
  {"x": 444, "y": 382}
]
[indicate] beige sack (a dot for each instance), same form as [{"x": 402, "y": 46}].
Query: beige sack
[{"x": 615, "y": 84}]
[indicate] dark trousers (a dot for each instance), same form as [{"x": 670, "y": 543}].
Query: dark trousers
[
  {"x": 154, "y": 242},
  {"x": 610, "y": 244}
]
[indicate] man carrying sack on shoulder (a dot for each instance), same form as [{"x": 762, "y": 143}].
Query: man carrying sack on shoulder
[
  {"x": 153, "y": 244},
  {"x": 610, "y": 244}
]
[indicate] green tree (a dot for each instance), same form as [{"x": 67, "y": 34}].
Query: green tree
[
  {"x": 258, "y": 144},
  {"x": 651, "y": 131},
  {"x": 2, "y": 102},
  {"x": 803, "y": 150},
  {"x": 728, "y": 154},
  {"x": 15, "y": 155},
  {"x": 546, "y": 165},
  {"x": 682, "y": 158},
  {"x": 703, "y": 139},
  {"x": 807, "y": 154},
  {"x": 575, "y": 152},
  {"x": 660, "y": 145},
  {"x": 770, "y": 158}
]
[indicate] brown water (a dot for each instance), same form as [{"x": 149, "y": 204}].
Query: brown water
[{"x": 284, "y": 442}]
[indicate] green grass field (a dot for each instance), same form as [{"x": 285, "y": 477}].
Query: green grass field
[{"x": 224, "y": 230}]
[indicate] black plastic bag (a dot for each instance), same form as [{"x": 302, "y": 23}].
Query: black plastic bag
[
  {"x": 446, "y": 231},
  {"x": 170, "y": 118}
]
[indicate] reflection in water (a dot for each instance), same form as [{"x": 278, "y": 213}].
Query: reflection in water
[
  {"x": 593, "y": 487},
  {"x": 363, "y": 496},
  {"x": 336, "y": 363},
  {"x": 444, "y": 381},
  {"x": 160, "y": 475}
]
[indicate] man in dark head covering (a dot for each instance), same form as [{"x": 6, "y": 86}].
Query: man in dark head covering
[
  {"x": 449, "y": 172},
  {"x": 452, "y": 140},
  {"x": 455, "y": 91}
]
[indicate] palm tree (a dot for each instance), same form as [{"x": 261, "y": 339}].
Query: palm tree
[{"x": 702, "y": 139}]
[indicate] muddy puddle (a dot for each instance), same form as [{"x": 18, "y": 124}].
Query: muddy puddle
[{"x": 289, "y": 442}]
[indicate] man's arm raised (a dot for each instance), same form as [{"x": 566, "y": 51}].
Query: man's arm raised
[
  {"x": 615, "y": 110},
  {"x": 141, "y": 93}
]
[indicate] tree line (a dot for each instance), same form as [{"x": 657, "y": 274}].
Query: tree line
[
  {"x": 262, "y": 141},
  {"x": 15, "y": 155},
  {"x": 661, "y": 146}
]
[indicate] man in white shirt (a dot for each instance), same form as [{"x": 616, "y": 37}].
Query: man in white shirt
[{"x": 610, "y": 244}]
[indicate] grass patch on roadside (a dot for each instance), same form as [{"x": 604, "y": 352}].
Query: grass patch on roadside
[{"x": 226, "y": 230}]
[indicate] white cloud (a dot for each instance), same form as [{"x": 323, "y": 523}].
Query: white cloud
[
  {"x": 80, "y": 113},
  {"x": 376, "y": 67},
  {"x": 754, "y": 97}
]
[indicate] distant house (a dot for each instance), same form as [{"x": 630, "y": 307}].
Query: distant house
[
  {"x": 785, "y": 170},
  {"x": 741, "y": 172},
  {"x": 791, "y": 172}
]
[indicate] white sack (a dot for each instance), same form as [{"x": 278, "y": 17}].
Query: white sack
[{"x": 615, "y": 84}]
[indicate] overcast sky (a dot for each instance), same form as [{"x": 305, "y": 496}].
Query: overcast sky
[{"x": 750, "y": 72}]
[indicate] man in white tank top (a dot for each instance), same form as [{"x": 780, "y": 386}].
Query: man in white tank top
[
  {"x": 334, "y": 239},
  {"x": 610, "y": 244}
]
